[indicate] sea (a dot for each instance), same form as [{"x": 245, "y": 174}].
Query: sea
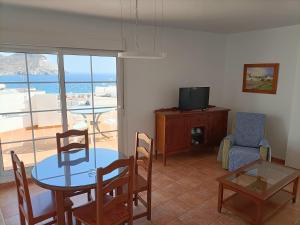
[{"x": 17, "y": 81}]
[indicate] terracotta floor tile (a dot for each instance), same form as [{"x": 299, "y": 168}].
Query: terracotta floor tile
[
  {"x": 160, "y": 216},
  {"x": 14, "y": 220},
  {"x": 176, "y": 222},
  {"x": 184, "y": 193},
  {"x": 175, "y": 189}
]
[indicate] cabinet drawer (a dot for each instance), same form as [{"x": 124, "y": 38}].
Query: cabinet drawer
[{"x": 195, "y": 121}]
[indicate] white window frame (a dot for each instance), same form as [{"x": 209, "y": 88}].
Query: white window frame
[{"x": 7, "y": 175}]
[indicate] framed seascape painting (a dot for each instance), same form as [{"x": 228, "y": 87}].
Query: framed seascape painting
[{"x": 261, "y": 78}]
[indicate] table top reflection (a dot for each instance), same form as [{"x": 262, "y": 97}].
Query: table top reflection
[{"x": 75, "y": 169}]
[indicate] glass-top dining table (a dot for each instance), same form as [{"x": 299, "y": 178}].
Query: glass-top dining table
[
  {"x": 85, "y": 112},
  {"x": 71, "y": 171}
]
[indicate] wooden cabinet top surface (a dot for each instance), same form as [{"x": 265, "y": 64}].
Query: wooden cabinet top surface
[{"x": 174, "y": 111}]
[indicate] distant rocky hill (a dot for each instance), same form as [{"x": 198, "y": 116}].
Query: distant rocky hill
[{"x": 37, "y": 64}]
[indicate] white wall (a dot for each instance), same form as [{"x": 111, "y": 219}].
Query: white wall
[
  {"x": 293, "y": 146},
  {"x": 278, "y": 45},
  {"x": 194, "y": 58}
]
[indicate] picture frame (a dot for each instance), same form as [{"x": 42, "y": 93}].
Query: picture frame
[{"x": 261, "y": 78}]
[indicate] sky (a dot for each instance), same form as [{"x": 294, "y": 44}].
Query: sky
[
  {"x": 81, "y": 64},
  {"x": 261, "y": 70}
]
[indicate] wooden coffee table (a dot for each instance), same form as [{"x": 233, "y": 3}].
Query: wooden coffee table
[{"x": 259, "y": 190}]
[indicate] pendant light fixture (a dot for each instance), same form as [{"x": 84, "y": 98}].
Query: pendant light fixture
[{"x": 137, "y": 53}]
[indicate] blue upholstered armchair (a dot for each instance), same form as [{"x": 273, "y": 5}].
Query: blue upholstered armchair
[{"x": 246, "y": 144}]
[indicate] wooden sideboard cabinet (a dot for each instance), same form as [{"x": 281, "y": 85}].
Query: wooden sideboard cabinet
[{"x": 178, "y": 131}]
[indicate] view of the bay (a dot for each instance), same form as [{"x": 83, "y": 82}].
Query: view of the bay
[
  {"x": 50, "y": 88},
  {"x": 31, "y": 102}
]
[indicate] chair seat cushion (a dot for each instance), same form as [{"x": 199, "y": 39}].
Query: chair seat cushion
[
  {"x": 43, "y": 205},
  {"x": 87, "y": 213},
  {"x": 239, "y": 156}
]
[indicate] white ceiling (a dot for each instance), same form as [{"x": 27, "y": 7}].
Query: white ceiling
[{"x": 208, "y": 15}]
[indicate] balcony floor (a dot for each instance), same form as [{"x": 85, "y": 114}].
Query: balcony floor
[{"x": 47, "y": 147}]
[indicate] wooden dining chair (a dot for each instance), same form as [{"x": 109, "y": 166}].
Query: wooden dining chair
[
  {"x": 143, "y": 179},
  {"x": 72, "y": 147},
  {"x": 108, "y": 209},
  {"x": 39, "y": 207}
]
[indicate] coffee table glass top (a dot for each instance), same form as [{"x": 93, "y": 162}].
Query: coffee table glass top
[{"x": 260, "y": 176}]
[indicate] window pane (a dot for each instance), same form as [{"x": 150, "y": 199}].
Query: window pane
[
  {"x": 24, "y": 150},
  {"x": 105, "y": 95},
  {"x": 48, "y": 88},
  {"x": 14, "y": 98},
  {"x": 105, "y": 119},
  {"x": 47, "y": 124},
  {"x": 42, "y": 99},
  {"x": 107, "y": 140},
  {"x": 12, "y": 67},
  {"x": 42, "y": 67},
  {"x": 15, "y": 127},
  {"x": 45, "y": 148},
  {"x": 104, "y": 68},
  {"x": 79, "y": 95},
  {"x": 80, "y": 120},
  {"x": 77, "y": 68}
]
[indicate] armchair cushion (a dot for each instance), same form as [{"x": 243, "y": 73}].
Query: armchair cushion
[
  {"x": 240, "y": 156},
  {"x": 249, "y": 129}
]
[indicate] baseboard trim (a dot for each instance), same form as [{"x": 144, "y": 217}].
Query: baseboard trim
[{"x": 279, "y": 161}]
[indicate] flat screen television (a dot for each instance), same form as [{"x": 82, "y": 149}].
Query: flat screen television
[{"x": 192, "y": 98}]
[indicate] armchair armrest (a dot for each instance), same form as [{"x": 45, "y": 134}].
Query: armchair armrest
[
  {"x": 230, "y": 138},
  {"x": 265, "y": 150},
  {"x": 225, "y": 147}
]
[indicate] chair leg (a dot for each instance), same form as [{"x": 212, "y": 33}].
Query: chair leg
[
  {"x": 69, "y": 217},
  {"x": 78, "y": 222},
  {"x": 22, "y": 218},
  {"x": 148, "y": 205},
  {"x": 111, "y": 193},
  {"x": 136, "y": 200},
  {"x": 89, "y": 195}
]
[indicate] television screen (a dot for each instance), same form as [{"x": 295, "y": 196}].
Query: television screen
[{"x": 193, "y": 98}]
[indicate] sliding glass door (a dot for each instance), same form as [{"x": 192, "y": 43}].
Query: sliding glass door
[
  {"x": 45, "y": 93},
  {"x": 91, "y": 97}
]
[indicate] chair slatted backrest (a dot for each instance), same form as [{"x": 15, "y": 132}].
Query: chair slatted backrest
[
  {"x": 143, "y": 154},
  {"x": 122, "y": 183},
  {"x": 70, "y": 146},
  {"x": 24, "y": 200}
]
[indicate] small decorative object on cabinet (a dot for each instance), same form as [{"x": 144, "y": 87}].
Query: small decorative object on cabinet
[{"x": 178, "y": 131}]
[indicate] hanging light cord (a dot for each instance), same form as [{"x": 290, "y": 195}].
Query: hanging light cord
[
  {"x": 136, "y": 24},
  {"x": 155, "y": 28},
  {"x": 162, "y": 24},
  {"x": 122, "y": 22}
]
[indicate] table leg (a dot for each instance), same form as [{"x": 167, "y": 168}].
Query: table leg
[
  {"x": 295, "y": 189},
  {"x": 85, "y": 119},
  {"x": 164, "y": 159},
  {"x": 220, "y": 198},
  {"x": 59, "y": 200},
  {"x": 97, "y": 125},
  {"x": 259, "y": 213},
  {"x": 97, "y": 122}
]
